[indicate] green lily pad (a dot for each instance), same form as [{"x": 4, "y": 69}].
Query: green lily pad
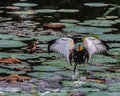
[
  {"x": 97, "y": 85},
  {"x": 114, "y": 45},
  {"x": 56, "y": 94},
  {"x": 23, "y": 39},
  {"x": 58, "y": 63},
  {"x": 101, "y": 23},
  {"x": 110, "y": 37},
  {"x": 45, "y": 11},
  {"x": 68, "y": 10},
  {"x": 101, "y": 59},
  {"x": 87, "y": 89},
  {"x": 25, "y": 56},
  {"x": 67, "y": 83},
  {"x": 87, "y": 29},
  {"x": 11, "y": 44},
  {"x": 43, "y": 38},
  {"x": 47, "y": 68},
  {"x": 41, "y": 74},
  {"x": 96, "y": 4},
  {"x": 69, "y": 21},
  {"x": 30, "y": 12},
  {"x": 1, "y": 11},
  {"x": 106, "y": 75},
  {"x": 92, "y": 68},
  {"x": 4, "y": 55},
  {"x": 113, "y": 52},
  {"x": 25, "y": 4},
  {"x": 47, "y": 55},
  {"x": 104, "y": 94},
  {"x": 114, "y": 87},
  {"x": 7, "y": 36}
]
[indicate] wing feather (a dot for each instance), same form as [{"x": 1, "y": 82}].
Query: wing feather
[
  {"x": 62, "y": 45},
  {"x": 94, "y": 45}
]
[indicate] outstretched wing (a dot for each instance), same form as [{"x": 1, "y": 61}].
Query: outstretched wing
[
  {"x": 94, "y": 45},
  {"x": 62, "y": 45}
]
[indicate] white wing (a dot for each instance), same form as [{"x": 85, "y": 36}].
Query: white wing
[
  {"x": 63, "y": 46},
  {"x": 94, "y": 45}
]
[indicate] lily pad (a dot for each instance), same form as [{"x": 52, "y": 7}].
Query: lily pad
[
  {"x": 7, "y": 36},
  {"x": 101, "y": 23},
  {"x": 11, "y": 44},
  {"x": 45, "y": 11},
  {"x": 28, "y": 12},
  {"x": 114, "y": 87},
  {"x": 104, "y": 94},
  {"x": 4, "y": 55},
  {"x": 56, "y": 94},
  {"x": 44, "y": 38},
  {"x": 25, "y": 4},
  {"x": 47, "y": 68},
  {"x": 69, "y": 21},
  {"x": 68, "y": 10},
  {"x": 25, "y": 56},
  {"x": 41, "y": 74},
  {"x": 87, "y": 29},
  {"x": 87, "y": 89},
  {"x": 92, "y": 68},
  {"x": 23, "y": 39},
  {"x": 96, "y": 4},
  {"x": 101, "y": 59},
  {"x": 110, "y": 37}
]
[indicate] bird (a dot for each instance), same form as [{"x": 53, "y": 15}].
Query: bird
[{"x": 81, "y": 54}]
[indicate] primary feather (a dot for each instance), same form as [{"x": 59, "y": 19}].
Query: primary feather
[
  {"x": 94, "y": 45},
  {"x": 63, "y": 46}
]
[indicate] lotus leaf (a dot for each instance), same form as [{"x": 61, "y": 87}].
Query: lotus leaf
[
  {"x": 47, "y": 68},
  {"x": 23, "y": 39},
  {"x": 4, "y": 55},
  {"x": 87, "y": 89},
  {"x": 43, "y": 38},
  {"x": 7, "y": 36},
  {"x": 23, "y": 12},
  {"x": 114, "y": 45},
  {"x": 101, "y": 23},
  {"x": 56, "y": 55},
  {"x": 68, "y": 10},
  {"x": 41, "y": 74},
  {"x": 96, "y": 4},
  {"x": 104, "y": 94},
  {"x": 56, "y": 94},
  {"x": 67, "y": 83},
  {"x": 106, "y": 75},
  {"x": 110, "y": 37},
  {"x": 11, "y": 44},
  {"x": 58, "y": 63},
  {"x": 69, "y": 21},
  {"x": 114, "y": 87},
  {"x": 101, "y": 59},
  {"x": 87, "y": 29},
  {"x": 25, "y": 56},
  {"x": 25, "y": 4},
  {"x": 45, "y": 11},
  {"x": 92, "y": 68},
  {"x": 97, "y": 85}
]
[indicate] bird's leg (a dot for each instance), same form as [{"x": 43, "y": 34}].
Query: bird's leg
[
  {"x": 75, "y": 72},
  {"x": 71, "y": 56}
]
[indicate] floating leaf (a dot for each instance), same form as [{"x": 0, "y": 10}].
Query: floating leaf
[
  {"x": 110, "y": 37},
  {"x": 101, "y": 59},
  {"x": 46, "y": 68},
  {"x": 9, "y": 60},
  {"x": 87, "y": 89},
  {"x": 68, "y": 10},
  {"x": 14, "y": 78},
  {"x": 87, "y": 29},
  {"x": 101, "y": 23},
  {"x": 41, "y": 74},
  {"x": 43, "y": 38},
  {"x": 7, "y": 36},
  {"x": 11, "y": 44},
  {"x": 96, "y": 4},
  {"x": 30, "y": 12},
  {"x": 45, "y": 11},
  {"x": 25, "y": 4},
  {"x": 69, "y": 21},
  {"x": 25, "y": 56},
  {"x": 114, "y": 87},
  {"x": 104, "y": 94}
]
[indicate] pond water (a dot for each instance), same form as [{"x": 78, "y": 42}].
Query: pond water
[{"x": 23, "y": 24}]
